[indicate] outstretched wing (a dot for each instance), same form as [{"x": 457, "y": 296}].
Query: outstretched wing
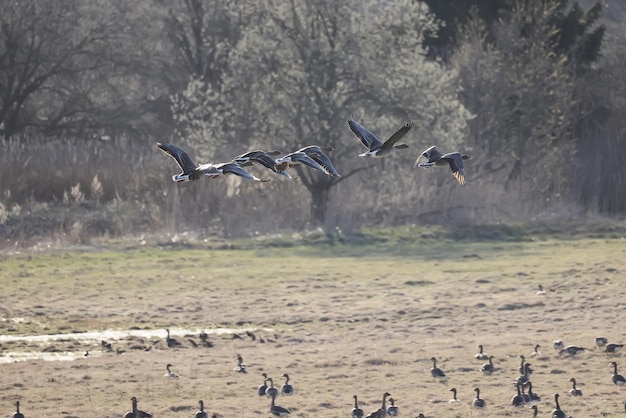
[
  {"x": 234, "y": 168},
  {"x": 183, "y": 159},
  {"x": 257, "y": 156},
  {"x": 397, "y": 135},
  {"x": 431, "y": 155},
  {"x": 316, "y": 153},
  {"x": 368, "y": 139},
  {"x": 456, "y": 165}
]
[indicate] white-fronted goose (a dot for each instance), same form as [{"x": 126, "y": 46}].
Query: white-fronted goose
[
  {"x": 481, "y": 355},
  {"x": 171, "y": 342},
  {"x": 276, "y": 410},
  {"x": 169, "y": 372},
  {"x": 392, "y": 409},
  {"x": 262, "y": 388},
  {"x": 454, "y": 160},
  {"x": 435, "y": 371},
  {"x": 534, "y": 398},
  {"x": 618, "y": 379},
  {"x": 478, "y": 402},
  {"x": 613, "y": 348},
  {"x": 572, "y": 350},
  {"x": 524, "y": 377},
  {"x": 201, "y": 413},
  {"x": 557, "y": 412},
  {"x": 192, "y": 172},
  {"x": 136, "y": 413},
  {"x": 271, "y": 390},
  {"x": 286, "y": 388},
  {"x": 240, "y": 367},
  {"x": 454, "y": 398},
  {"x": 574, "y": 391},
  {"x": 377, "y": 148},
  {"x": 488, "y": 367},
  {"x": 517, "y": 400},
  {"x": 17, "y": 413},
  {"x": 382, "y": 411},
  {"x": 356, "y": 411},
  {"x": 536, "y": 352}
]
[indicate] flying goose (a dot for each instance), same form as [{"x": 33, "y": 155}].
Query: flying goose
[
  {"x": 262, "y": 388},
  {"x": 557, "y": 412},
  {"x": 169, "y": 372},
  {"x": 478, "y": 403},
  {"x": 454, "y": 398},
  {"x": 260, "y": 157},
  {"x": 137, "y": 413},
  {"x": 392, "y": 409},
  {"x": 171, "y": 342},
  {"x": 192, "y": 172},
  {"x": 377, "y": 148},
  {"x": 356, "y": 411},
  {"x": 296, "y": 158},
  {"x": 618, "y": 379},
  {"x": 382, "y": 411},
  {"x": 17, "y": 413},
  {"x": 240, "y": 368},
  {"x": 279, "y": 411},
  {"x": 435, "y": 371},
  {"x": 201, "y": 413},
  {"x": 613, "y": 348},
  {"x": 488, "y": 367},
  {"x": 454, "y": 160},
  {"x": 317, "y": 154},
  {"x": 271, "y": 390},
  {"x": 481, "y": 355},
  {"x": 574, "y": 391},
  {"x": 286, "y": 388}
]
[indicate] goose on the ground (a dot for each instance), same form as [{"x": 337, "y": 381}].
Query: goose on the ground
[
  {"x": 574, "y": 391},
  {"x": 454, "y": 398},
  {"x": 557, "y": 412},
  {"x": 618, "y": 379},
  {"x": 572, "y": 350},
  {"x": 435, "y": 371},
  {"x": 17, "y": 413},
  {"x": 601, "y": 341},
  {"x": 171, "y": 342},
  {"x": 376, "y": 147},
  {"x": 454, "y": 160},
  {"x": 276, "y": 410},
  {"x": 317, "y": 154},
  {"x": 517, "y": 400},
  {"x": 521, "y": 367},
  {"x": 524, "y": 377},
  {"x": 262, "y": 388},
  {"x": 557, "y": 344},
  {"x": 286, "y": 388},
  {"x": 271, "y": 390},
  {"x": 481, "y": 355},
  {"x": 169, "y": 372},
  {"x": 356, "y": 411},
  {"x": 536, "y": 352},
  {"x": 613, "y": 348},
  {"x": 240, "y": 367},
  {"x": 488, "y": 367},
  {"x": 392, "y": 409},
  {"x": 382, "y": 411},
  {"x": 541, "y": 291},
  {"x": 201, "y": 413},
  {"x": 136, "y": 413},
  {"x": 420, "y": 416},
  {"x": 192, "y": 172},
  {"x": 534, "y": 398},
  {"x": 535, "y": 411},
  {"x": 478, "y": 402}
]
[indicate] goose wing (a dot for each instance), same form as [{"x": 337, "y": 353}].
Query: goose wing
[
  {"x": 317, "y": 154},
  {"x": 257, "y": 156},
  {"x": 183, "y": 159},
  {"x": 296, "y": 158},
  {"x": 456, "y": 165},
  {"x": 397, "y": 135},
  {"x": 368, "y": 139},
  {"x": 431, "y": 155},
  {"x": 234, "y": 168}
]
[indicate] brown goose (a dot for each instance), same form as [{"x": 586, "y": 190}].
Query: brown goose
[
  {"x": 601, "y": 341},
  {"x": 260, "y": 157},
  {"x": 377, "y": 148},
  {"x": 170, "y": 373},
  {"x": 478, "y": 402},
  {"x": 392, "y": 409},
  {"x": 17, "y": 413},
  {"x": 262, "y": 388},
  {"x": 454, "y": 160},
  {"x": 171, "y": 342},
  {"x": 240, "y": 367},
  {"x": 317, "y": 153},
  {"x": 613, "y": 348},
  {"x": 286, "y": 388},
  {"x": 488, "y": 367},
  {"x": 454, "y": 398},
  {"x": 136, "y": 413},
  {"x": 618, "y": 379},
  {"x": 276, "y": 410},
  {"x": 536, "y": 352},
  {"x": 574, "y": 391},
  {"x": 557, "y": 412},
  {"x": 271, "y": 390},
  {"x": 356, "y": 411},
  {"x": 572, "y": 350},
  {"x": 201, "y": 413},
  {"x": 382, "y": 411},
  {"x": 481, "y": 355},
  {"x": 435, "y": 371}
]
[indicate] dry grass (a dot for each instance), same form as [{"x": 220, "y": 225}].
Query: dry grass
[{"x": 348, "y": 319}]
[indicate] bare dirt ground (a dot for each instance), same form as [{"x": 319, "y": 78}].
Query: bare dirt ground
[{"x": 342, "y": 320}]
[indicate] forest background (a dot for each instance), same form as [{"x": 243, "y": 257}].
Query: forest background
[{"x": 534, "y": 90}]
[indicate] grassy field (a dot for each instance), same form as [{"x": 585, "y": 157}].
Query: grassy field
[{"x": 342, "y": 316}]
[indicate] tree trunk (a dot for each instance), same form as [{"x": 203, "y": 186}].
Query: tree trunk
[{"x": 320, "y": 192}]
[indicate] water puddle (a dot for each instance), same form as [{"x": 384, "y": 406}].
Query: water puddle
[{"x": 97, "y": 336}]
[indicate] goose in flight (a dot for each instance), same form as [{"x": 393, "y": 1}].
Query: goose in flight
[
  {"x": 318, "y": 155},
  {"x": 454, "y": 160},
  {"x": 377, "y": 148},
  {"x": 299, "y": 157},
  {"x": 260, "y": 157},
  {"x": 192, "y": 172}
]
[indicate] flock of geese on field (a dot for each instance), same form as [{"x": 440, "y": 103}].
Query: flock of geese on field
[{"x": 312, "y": 156}]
